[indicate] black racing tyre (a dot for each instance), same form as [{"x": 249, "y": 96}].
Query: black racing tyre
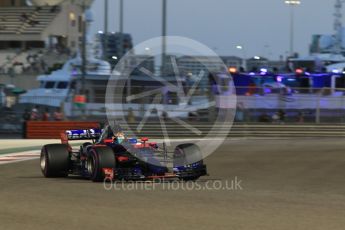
[
  {"x": 55, "y": 160},
  {"x": 99, "y": 158},
  {"x": 186, "y": 154}
]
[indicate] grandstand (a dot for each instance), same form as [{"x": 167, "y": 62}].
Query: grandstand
[
  {"x": 26, "y": 20},
  {"x": 37, "y": 28}
]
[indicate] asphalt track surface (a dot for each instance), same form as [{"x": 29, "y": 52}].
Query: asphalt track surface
[{"x": 286, "y": 184}]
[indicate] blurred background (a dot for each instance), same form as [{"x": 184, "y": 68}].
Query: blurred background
[{"x": 283, "y": 60}]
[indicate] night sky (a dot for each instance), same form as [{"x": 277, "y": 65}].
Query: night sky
[{"x": 261, "y": 27}]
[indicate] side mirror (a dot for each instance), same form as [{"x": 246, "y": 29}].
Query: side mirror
[{"x": 144, "y": 139}]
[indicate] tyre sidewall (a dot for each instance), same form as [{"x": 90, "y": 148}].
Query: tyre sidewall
[
  {"x": 57, "y": 160},
  {"x": 102, "y": 157},
  {"x": 186, "y": 154}
]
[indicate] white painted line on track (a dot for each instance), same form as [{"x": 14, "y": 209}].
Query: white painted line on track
[{"x": 18, "y": 157}]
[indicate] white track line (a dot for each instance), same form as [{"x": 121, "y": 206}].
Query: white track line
[{"x": 18, "y": 157}]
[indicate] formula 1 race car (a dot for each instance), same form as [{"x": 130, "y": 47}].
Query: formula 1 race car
[{"x": 113, "y": 156}]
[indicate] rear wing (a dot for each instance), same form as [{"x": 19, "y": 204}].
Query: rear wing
[{"x": 81, "y": 134}]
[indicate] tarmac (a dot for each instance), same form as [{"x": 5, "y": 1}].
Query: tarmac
[{"x": 294, "y": 183}]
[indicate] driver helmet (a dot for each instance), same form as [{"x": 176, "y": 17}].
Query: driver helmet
[{"x": 119, "y": 137}]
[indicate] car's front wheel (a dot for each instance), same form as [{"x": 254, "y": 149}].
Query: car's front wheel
[
  {"x": 98, "y": 159},
  {"x": 188, "y": 158}
]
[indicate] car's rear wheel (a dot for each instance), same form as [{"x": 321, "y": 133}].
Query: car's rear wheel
[
  {"x": 98, "y": 159},
  {"x": 55, "y": 160}
]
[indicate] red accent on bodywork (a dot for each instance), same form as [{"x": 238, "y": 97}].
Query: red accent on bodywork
[
  {"x": 122, "y": 158},
  {"x": 99, "y": 145},
  {"x": 144, "y": 139},
  {"x": 108, "y": 174},
  {"x": 64, "y": 138},
  {"x": 153, "y": 144},
  {"x": 83, "y": 158},
  {"x": 167, "y": 175},
  {"x": 108, "y": 141},
  {"x": 142, "y": 145}
]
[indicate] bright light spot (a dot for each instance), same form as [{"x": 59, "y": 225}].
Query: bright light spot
[
  {"x": 279, "y": 78},
  {"x": 335, "y": 71},
  {"x": 256, "y": 57},
  {"x": 74, "y": 72},
  {"x": 114, "y": 57},
  {"x": 239, "y": 47},
  {"x": 147, "y": 48},
  {"x": 263, "y": 70},
  {"x": 299, "y": 71},
  {"x": 252, "y": 74},
  {"x": 293, "y": 2},
  {"x": 100, "y": 32},
  {"x": 72, "y": 16},
  {"x": 232, "y": 70}
]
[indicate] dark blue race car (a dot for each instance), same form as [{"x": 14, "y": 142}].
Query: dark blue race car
[{"x": 113, "y": 156}]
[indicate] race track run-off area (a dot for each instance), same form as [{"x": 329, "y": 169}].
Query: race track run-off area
[{"x": 293, "y": 183}]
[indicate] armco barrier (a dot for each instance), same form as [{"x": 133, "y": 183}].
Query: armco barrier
[{"x": 52, "y": 129}]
